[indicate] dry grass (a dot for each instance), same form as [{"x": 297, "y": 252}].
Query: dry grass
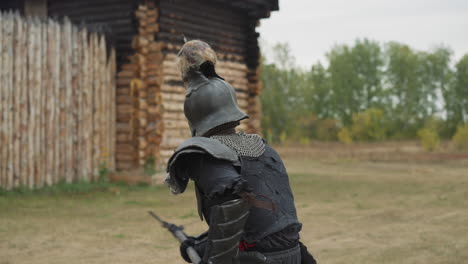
[{"x": 385, "y": 203}]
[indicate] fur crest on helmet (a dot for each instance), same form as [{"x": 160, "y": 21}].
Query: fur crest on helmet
[{"x": 193, "y": 55}]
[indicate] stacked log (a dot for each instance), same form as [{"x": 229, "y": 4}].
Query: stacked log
[
  {"x": 6, "y": 31},
  {"x": 173, "y": 95},
  {"x": 125, "y": 147},
  {"x": 56, "y": 109},
  {"x": 139, "y": 95},
  {"x": 150, "y": 108},
  {"x": 255, "y": 106}
]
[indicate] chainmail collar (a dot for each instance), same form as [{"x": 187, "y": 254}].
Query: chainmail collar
[{"x": 248, "y": 145}]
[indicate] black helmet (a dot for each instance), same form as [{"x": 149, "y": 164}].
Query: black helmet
[{"x": 210, "y": 103}]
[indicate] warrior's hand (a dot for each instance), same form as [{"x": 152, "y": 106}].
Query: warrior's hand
[
  {"x": 197, "y": 243},
  {"x": 190, "y": 242}
]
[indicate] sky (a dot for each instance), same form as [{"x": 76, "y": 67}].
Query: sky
[{"x": 312, "y": 27}]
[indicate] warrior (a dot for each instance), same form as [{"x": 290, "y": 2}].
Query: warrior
[{"x": 241, "y": 185}]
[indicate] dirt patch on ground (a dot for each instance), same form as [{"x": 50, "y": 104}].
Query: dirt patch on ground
[{"x": 379, "y": 203}]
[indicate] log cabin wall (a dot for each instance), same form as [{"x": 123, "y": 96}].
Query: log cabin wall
[
  {"x": 147, "y": 34},
  {"x": 231, "y": 33}
]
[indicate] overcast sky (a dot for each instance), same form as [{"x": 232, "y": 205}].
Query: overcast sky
[{"x": 312, "y": 27}]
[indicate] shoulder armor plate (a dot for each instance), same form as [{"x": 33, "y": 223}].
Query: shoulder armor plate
[{"x": 209, "y": 146}]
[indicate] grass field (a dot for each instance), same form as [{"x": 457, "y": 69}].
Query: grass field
[{"x": 371, "y": 203}]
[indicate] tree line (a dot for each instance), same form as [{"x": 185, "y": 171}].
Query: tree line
[{"x": 366, "y": 91}]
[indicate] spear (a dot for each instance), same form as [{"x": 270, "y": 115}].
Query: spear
[{"x": 177, "y": 232}]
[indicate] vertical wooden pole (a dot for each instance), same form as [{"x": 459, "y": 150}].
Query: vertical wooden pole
[
  {"x": 68, "y": 138},
  {"x": 57, "y": 104},
  {"x": 96, "y": 101},
  {"x": 17, "y": 67},
  {"x": 92, "y": 138},
  {"x": 112, "y": 114},
  {"x": 45, "y": 102},
  {"x": 38, "y": 103},
  {"x": 50, "y": 102},
  {"x": 75, "y": 96},
  {"x": 2, "y": 105},
  {"x": 9, "y": 90},
  {"x": 103, "y": 102},
  {"x": 5, "y": 98},
  {"x": 83, "y": 104},
  {"x": 30, "y": 94},
  {"x": 63, "y": 102},
  {"x": 3, "y": 18},
  {"x": 24, "y": 112},
  {"x": 88, "y": 105}
]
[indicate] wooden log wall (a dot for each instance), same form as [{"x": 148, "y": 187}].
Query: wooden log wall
[
  {"x": 57, "y": 109},
  {"x": 140, "y": 109},
  {"x": 115, "y": 17},
  {"x": 254, "y": 109}
]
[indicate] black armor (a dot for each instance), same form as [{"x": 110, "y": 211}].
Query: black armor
[
  {"x": 221, "y": 175},
  {"x": 226, "y": 229},
  {"x": 241, "y": 184},
  {"x": 266, "y": 176}
]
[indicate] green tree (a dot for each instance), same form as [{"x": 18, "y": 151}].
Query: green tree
[
  {"x": 456, "y": 96},
  {"x": 344, "y": 84},
  {"x": 368, "y": 67},
  {"x": 318, "y": 95},
  {"x": 405, "y": 89},
  {"x": 437, "y": 77},
  {"x": 282, "y": 98},
  {"x": 355, "y": 78},
  {"x": 367, "y": 91},
  {"x": 415, "y": 80}
]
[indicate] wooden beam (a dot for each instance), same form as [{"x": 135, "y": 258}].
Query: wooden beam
[{"x": 35, "y": 8}]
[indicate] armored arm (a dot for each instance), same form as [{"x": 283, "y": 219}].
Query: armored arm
[
  {"x": 220, "y": 243},
  {"x": 219, "y": 185},
  {"x": 227, "y": 223},
  {"x": 215, "y": 170}
]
